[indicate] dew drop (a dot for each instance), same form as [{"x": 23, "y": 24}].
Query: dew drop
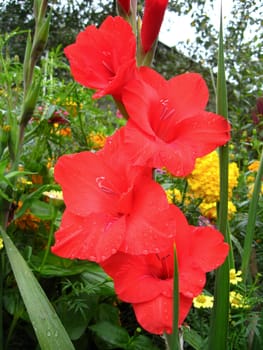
[
  {"x": 145, "y": 251},
  {"x": 48, "y": 333}
]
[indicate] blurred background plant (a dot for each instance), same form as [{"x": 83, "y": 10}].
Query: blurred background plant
[{"x": 63, "y": 119}]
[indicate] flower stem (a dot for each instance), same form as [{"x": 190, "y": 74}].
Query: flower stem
[{"x": 50, "y": 236}]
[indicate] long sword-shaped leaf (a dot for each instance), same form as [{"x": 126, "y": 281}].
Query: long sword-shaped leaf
[
  {"x": 172, "y": 340},
  {"x": 219, "y": 322},
  {"x": 48, "y": 328},
  {"x": 252, "y": 216}
]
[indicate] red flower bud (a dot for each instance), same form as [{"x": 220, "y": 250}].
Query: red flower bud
[
  {"x": 151, "y": 23},
  {"x": 125, "y": 4}
]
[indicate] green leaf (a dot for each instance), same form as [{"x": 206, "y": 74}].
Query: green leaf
[
  {"x": 113, "y": 335},
  {"x": 141, "y": 342},
  {"x": 76, "y": 321},
  {"x": 28, "y": 199},
  {"x": 41, "y": 209},
  {"x": 252, "y": 216},
  {"x": 193, "y": 338},
  {"x": 220, "y": 314},
  {"x": 107, "y": 312},
  {"x": 56, "y": 266},
  {"x": 48, "y": 328}
]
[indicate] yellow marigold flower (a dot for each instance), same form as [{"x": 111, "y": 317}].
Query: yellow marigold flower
[
  {"x": 97, "y": 140},
  {"x": 204, "y": 180},
  {"x": 209, "y": 210},
  {"x": 234, "y": 276},
  {"x": 1, "y": 244},
  {"x": 173, "y": 195},
  {"x": 237, "y": 300},
  {"x": 254, "y": 166},
  {"x": 64, "y": 132},
  {"x": 203, "y": 301}
]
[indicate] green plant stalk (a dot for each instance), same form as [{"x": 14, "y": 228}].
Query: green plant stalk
[
  {"x": 252, "y": 215},
  {"x": 11, "y": 330},
  {"x": 217, "y": 339},
  {"x": 172, "y": 340},
  {"x": 50, "y": 236}
]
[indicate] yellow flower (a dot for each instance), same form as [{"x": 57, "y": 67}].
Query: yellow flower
[
  {"x": 254, "y": 166},
  {"x": 173, "y": 195},
  {"x": 1, "y": 244},
  {"x": 209, "y": 210},
  {"x": 204, "y": 179},
  {"x": 237, "y": 301},
  {"x": 97, "y": 140},
  {"x": 203, "y": 301},
  {"x": 234, "y": 276},
  {"x": 71, "y": 106}
]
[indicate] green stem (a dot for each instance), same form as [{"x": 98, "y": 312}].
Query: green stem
[
  {"x": 50, "y": 236},
  {"x": 11, "y": 330},
  {"x": 252, "y": 215}
]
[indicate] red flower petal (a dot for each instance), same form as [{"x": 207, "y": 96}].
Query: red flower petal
[
  {"x": 136, "y": 277},
  {"x": 156, "y": 315},
  {"x": 153, "y": 223},
  {"x": 188, "y": 89},
  {"x": 96, "y": 63},
  {"x": 203, "y": 250},
  {"x": 95, "y": 237},
  {"x": 209, "y": 250},
  {"x": 171, "y": 131},
  {"x": 89, "y": 184}
]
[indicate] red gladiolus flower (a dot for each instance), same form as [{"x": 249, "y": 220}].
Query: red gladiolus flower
[
  {"x": 168, "y": 126},
  {"x": 151, "y": 22},
  {"x": 112, "y": 206},
  {"x": 104, "y": 58},
  {"x": 147, "y": 281}
]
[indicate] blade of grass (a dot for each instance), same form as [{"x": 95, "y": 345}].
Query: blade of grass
[
  {"x": 219, "y": 321},
  {"x": 252, "y": 215},
  {"x": 172, "y": 340},
  {"x": 48, "y": 328}
]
